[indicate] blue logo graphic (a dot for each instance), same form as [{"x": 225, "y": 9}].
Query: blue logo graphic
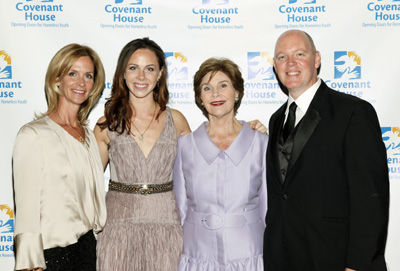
[
  {"x": 260, "y": 66},
  {"x": 347, "y": 65},
  {"x": 133, "y": 2},
  {"x": 391, "y": 138},
  {"x": 5, "y": 66},
  {"x": 6, "y": 219},
  {"x": 304, "y": 1},
  {"x": 215, "y": 2},
  {"x": 177, "y": 65}
]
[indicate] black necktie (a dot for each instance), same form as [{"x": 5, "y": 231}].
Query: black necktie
[{"x": 289, "y": 125}]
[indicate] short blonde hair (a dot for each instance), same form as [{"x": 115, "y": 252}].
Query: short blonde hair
[{"x": 59, "y": 66}]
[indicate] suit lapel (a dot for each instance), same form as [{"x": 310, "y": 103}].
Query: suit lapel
[
  {"x": 304, "y": 132},
  {"x": 275, "y": 130},
  {"x": 307, "y": 125}
]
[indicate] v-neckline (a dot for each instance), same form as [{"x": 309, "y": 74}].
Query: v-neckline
[
  {"x": 151, "y": 150},
  {"x": 60, "y": 128}
]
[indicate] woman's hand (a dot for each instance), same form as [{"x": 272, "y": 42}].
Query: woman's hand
[{"x": 258, "y": 126}]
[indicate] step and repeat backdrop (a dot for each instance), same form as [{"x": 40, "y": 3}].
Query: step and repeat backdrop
[{"x": 358, "y": 40}]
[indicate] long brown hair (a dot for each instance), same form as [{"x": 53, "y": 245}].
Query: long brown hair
[{"x": 118, "y": 110}]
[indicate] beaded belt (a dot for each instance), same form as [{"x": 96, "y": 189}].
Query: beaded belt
[{"x": 143, "y": 189}]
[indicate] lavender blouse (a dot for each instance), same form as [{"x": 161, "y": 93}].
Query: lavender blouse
[{"x": 222, "y": 199}]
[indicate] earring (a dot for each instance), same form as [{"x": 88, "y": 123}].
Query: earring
[{"x": 236, "y": 99}]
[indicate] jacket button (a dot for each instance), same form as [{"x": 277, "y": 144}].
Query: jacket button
[{"x": 284, "y": 196}]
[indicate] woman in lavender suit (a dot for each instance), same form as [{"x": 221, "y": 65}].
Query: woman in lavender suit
[{"x": 219, "y": 178}]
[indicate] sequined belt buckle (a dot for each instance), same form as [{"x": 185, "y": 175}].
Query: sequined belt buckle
[{"x": 142, "y": 189}]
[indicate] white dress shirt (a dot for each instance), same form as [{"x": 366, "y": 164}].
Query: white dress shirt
[{"x": 302, "y": 102}]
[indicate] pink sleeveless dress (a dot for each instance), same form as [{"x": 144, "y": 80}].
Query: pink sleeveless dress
[{"x": 142, "y": 232}]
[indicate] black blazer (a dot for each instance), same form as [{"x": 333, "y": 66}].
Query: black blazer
[{"x": 331, "y": 212}]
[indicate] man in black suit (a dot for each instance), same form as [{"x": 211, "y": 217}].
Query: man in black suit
[{"x": 327, "y": 175}]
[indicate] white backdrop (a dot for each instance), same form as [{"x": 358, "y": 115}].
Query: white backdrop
[{"x": 358, "y": 41}]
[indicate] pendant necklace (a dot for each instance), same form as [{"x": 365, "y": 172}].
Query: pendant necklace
[
  {"x": 80, "y": 138},
  {"x": 141, "y": 137}
]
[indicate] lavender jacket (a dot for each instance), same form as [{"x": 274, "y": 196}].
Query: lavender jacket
[{"x": 222, "y": 200}]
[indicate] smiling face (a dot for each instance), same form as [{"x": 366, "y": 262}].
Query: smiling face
[
  {"x": 218, "y": 95},
  {"x": 77, "y": 84},
  {"x": 296, "y": 62},
  {"x": 142, "y": 73}
]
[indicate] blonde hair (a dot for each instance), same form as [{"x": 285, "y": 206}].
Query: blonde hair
[{"x": 59, "y": 66}]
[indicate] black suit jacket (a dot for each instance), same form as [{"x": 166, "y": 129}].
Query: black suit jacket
[{"x": 331, "y": 212}]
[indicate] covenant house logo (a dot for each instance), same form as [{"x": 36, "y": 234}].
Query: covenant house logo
[
  {"x": 39, "y": 11},
  {"x": 181, "y": 89},
  {"x": 128, "y": 11},
  {"x": 8, "y": 86},
  {"x": 260, "y": 66},
  {"x": 215, "y": 12},
  {"x": 306, "y": 11},
  {"x": 391, "y": 138},
  {"x": 347, "y": 65},
  {"x": 177, "y": 64},
  {"x": 6, "y": 231}
]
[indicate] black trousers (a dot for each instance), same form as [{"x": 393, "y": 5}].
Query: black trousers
[{"x": 80, "y": 256}]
